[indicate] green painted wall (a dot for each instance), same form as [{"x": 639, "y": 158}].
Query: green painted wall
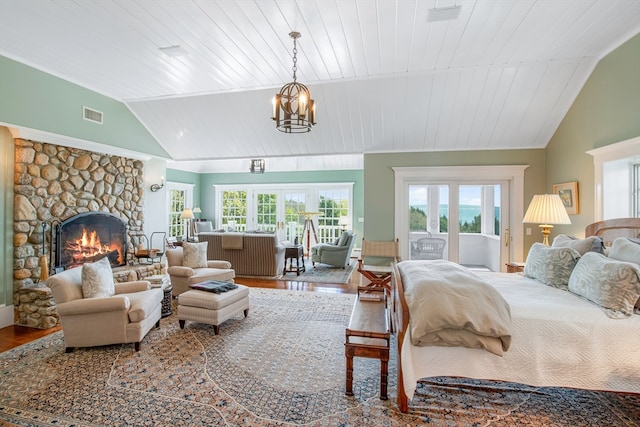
[
  {"x": 606, "y": 111},
  {"x": 379, "y": 191},
  {"x": 7, "y": 158},
  {"x": 207, "y": 181},
  {"x": 37, "y": 100}
]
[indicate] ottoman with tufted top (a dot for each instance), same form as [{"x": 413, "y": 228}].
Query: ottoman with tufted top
[{"x": 212, "y": 308}]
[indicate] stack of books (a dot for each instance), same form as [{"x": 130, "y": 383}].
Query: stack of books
[{"x": 158, "y": 280}]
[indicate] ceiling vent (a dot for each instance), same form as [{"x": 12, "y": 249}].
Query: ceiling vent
[
  {"x": 92, "y": 115},
  {"x": 443, "y": 13}
]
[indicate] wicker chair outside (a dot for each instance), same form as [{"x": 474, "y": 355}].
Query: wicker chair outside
[{"x": 429, "y": 248}]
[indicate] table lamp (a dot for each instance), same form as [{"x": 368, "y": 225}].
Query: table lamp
[
  {"x": 188, "y": 215},
  {"x": 546, "y": 209}
]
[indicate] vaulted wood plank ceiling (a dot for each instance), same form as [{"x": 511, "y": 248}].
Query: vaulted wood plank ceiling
[{"x": 384, "y": 74}]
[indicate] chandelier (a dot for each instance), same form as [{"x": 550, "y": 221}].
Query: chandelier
[{"x": 293, "y": 109}]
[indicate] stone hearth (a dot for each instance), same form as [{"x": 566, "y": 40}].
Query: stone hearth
[{"x": 53, "y": 183}]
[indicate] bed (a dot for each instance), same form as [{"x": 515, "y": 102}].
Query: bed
[{"x": 557, "y": 338}]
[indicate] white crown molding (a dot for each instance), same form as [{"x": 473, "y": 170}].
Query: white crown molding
[{"x": 69, "y": 141}]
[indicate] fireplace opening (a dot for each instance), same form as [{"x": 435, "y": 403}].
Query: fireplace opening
[{"x": 89, "y": 237}]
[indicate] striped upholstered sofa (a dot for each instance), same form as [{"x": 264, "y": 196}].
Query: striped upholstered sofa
[{"x": 250, "y": 254}]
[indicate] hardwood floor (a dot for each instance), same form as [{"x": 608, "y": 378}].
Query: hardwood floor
[{"x": 14, "y": 336}]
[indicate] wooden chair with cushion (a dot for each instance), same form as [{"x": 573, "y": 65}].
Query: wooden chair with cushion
[{"x": 376, "y": 258}]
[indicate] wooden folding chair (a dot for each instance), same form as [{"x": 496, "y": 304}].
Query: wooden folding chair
[{"x": 378, "y": 256}]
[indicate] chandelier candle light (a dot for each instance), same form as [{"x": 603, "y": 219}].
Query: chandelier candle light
[
  {"x": 293, "y": 109},
  {"x": 546, "y": 209}
]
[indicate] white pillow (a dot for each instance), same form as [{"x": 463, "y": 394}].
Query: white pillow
[
  {"x": 97, "y": 279},
  {"x": 195, "y": 254}
]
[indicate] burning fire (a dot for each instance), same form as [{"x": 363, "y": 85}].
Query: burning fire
[{"x": 90, "y": 246}]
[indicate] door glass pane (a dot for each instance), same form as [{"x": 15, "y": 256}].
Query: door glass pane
[
  {"x": 294, "y": 203},
  {"x": 479, "y": 220},
  {"x": 266, "y": 212},
  {"x": 332, "y": 205},
  {"x": 428, "y": 221},
  {"x": 234, "y": 210}
]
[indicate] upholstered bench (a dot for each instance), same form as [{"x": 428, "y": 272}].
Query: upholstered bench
[{"x": 211, "y": 308}]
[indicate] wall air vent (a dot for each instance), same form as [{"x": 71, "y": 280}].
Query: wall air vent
[{"x": 92, "y": 115}]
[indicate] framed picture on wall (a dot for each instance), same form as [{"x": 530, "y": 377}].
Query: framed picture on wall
[{"x": 568, "y": 193}]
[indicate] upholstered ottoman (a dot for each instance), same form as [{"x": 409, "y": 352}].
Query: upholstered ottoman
[{"x": 212, "y": 308}]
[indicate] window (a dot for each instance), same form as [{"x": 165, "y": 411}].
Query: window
[
  {"x": 332, "y": 204},
  {"x": 278, "y": 207},
  {"x": 180, "y": 197}
]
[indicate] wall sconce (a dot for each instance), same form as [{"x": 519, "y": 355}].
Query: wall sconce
[
  {"x": 257, "y": 166},
  {"x": 156, "y": 187}
]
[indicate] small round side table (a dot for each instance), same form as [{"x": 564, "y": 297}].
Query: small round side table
[{"x": 166, "y": 301}]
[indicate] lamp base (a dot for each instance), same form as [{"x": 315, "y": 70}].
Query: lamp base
[{"x": 546, "y": 230}]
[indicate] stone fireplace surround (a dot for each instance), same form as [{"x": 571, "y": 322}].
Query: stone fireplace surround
[{"x": 53, "y": 183}]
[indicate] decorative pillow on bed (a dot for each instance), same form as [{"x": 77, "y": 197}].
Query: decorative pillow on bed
[
  {"x": 588, "y": 244},
  {"x": 613, "y": 285},
  {"x": 195, "y": 255},
  {"x": 625, "y": 249},
  {"x": 551, "y": 266}
]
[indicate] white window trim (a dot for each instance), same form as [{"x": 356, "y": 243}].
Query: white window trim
[{"x": 627, "y": 149}]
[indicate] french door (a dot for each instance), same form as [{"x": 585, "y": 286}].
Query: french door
[
  {"x": 471, "y": 213},
  {"x": 276, "y": 211}
]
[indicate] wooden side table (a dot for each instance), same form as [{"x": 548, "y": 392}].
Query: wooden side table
[
  {"x": 166, "y": 301},
  {"x": 290, "y": 253},
  {"x": 515, "y": 267}
]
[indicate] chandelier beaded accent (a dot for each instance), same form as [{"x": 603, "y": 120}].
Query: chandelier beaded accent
[{"x": 293, "y": 109}]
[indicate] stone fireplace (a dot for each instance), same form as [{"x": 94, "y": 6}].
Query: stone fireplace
[
  {"x": 53, "y": 185},
  {"x": 88, "y": 237}
]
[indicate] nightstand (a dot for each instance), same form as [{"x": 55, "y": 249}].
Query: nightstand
[{"x": 515, "y": 267}]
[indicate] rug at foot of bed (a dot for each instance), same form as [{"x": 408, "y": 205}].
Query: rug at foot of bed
[{"x": 479, "y": 402}]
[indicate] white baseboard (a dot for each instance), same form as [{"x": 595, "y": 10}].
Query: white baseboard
[{"x": 6, "y": 316}]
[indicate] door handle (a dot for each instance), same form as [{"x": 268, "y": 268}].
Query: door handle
[{"x": 507, "y": 237}]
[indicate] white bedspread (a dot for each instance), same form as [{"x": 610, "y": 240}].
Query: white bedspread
[{"x": 558, "y": 339}]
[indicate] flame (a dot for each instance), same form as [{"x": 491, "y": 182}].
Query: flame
[{"x": 89, "y": 245}]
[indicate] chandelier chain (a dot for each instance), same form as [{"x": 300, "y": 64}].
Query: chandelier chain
[{"x": 295, "y": 59}]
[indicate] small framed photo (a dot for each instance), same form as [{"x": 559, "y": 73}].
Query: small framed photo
[{"x": 568, "y": 193}]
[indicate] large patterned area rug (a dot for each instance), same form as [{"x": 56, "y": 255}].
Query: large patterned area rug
[{"x": 283, "y": 365}]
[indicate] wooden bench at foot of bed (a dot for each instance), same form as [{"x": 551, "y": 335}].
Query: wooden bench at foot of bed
[{"x": 368, "y": 336}]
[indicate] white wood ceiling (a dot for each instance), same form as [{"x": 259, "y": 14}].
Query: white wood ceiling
[{"x": 384, "y": 77}]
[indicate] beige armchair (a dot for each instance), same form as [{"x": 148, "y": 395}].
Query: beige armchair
[
  {"x": 125, "y": 317},
  {"x": 183, "y": 276}
]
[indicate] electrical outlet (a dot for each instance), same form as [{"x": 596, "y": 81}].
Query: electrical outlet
[{"x": 528, "y": 231}]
